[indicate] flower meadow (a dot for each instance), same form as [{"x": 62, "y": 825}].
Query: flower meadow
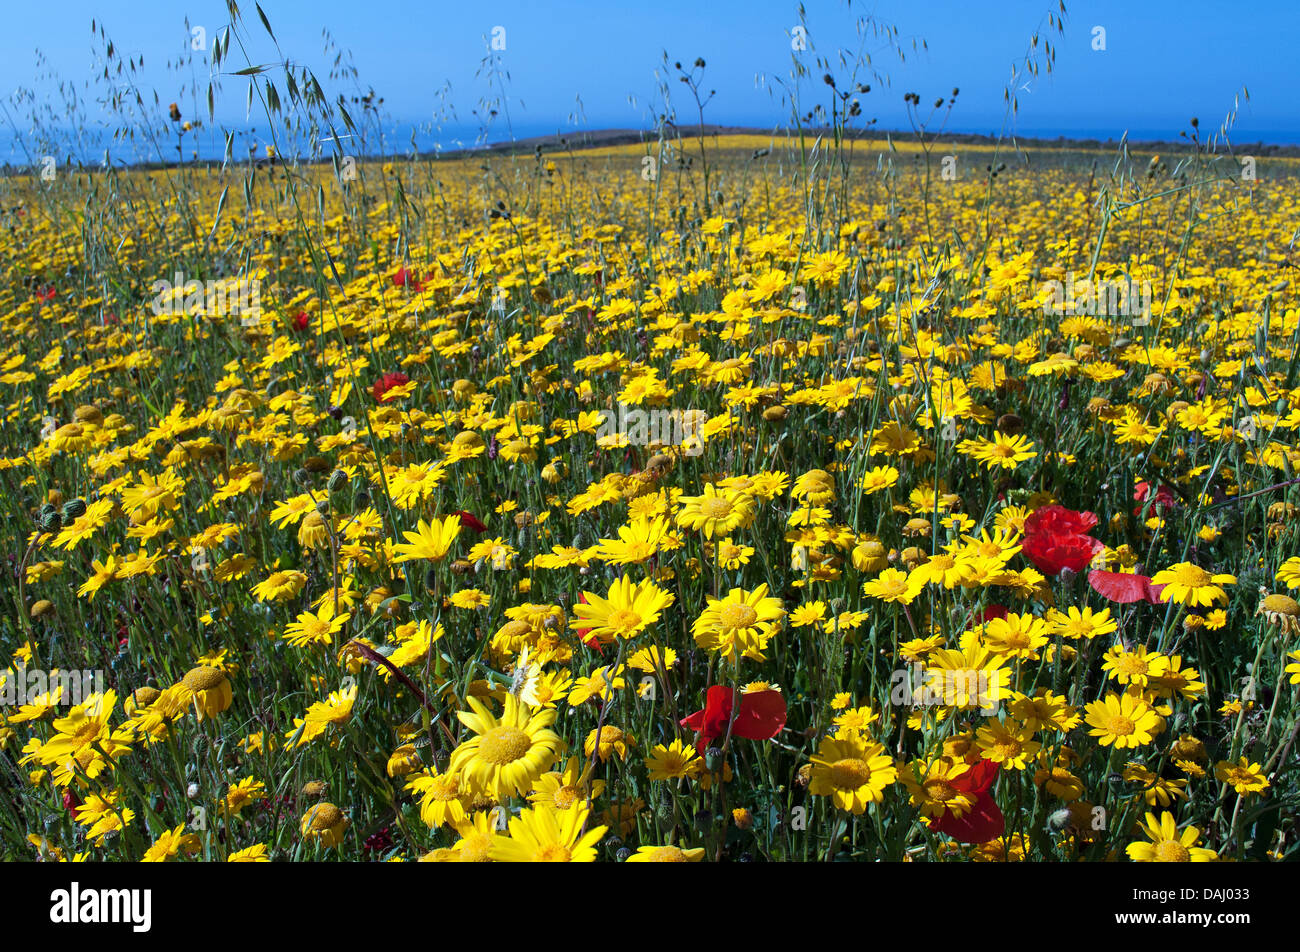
[{"x": 381, "y": 556}]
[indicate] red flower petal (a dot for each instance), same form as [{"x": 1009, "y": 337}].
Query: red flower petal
[
  {"x": 761, "y": 716},
  {"x": 984, "y": 822},
  {"x": 1124, "y": 587},
  {"x": 1119, "y": 587},
  {"x": 1051, "y": 554},
  {"x": 1058, "y": 521},
  {"x": 405, "y": 279},
  {"x": 979, "y": 778},
  {"x": 469, "y": 521},
  {"x": 387, "y": 382}
]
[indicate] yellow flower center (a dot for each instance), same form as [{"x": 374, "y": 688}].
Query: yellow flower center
[
  {"x": 624, "y": 619},
  {"x": 940, "y": 789},
  {"x": 715, "y": 507},
  {"x": 1281, "y": 604},
  {"x": 850, "y": 773},
  {"x": 86, "y": 732},
  {"x": 552, "y": 853},
  {"x": 503, "y": 745},
  {"x": 475, "y": 848},
  {"x": 1121, "y": 726},
  {"x": 667, "y": 854},
  {"x": 1194, "y": 576},
  {"x": 1016, "y": 639},
  {"x": 325, "y": 816},
  {"x": 1171, "y": 851},
  {"x": 566, "y": 797},
  {"x": 203, "y": 678},
  {"x": 444, "y": 788},
  {"x": 1130, "y": 665},
  {"x": 737, "y": 615}
]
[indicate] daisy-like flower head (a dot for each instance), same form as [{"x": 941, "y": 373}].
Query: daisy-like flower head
[
  {"x": 853, "y": 772},
  {"x": 1124, "y": 720},
  {"x": 280, "y": 586},
  {"x": 715, "y": 513},
  {"x": 429, "y": 541},
  {"x": 326, "y": 824},
  {"x": 740, "y": 624},
  {"x": 507, "y": 754},
  {"x": 628, "y": 609},
  {"x": 932, "y": 790},
  {"x": 814, "y": 487},
  {"x": 542, "y": 834},
  {"x": 1192, "y": 585},
  {"x": 666, "y": 854},
  {"x": 894, "y": 585},
  {"x": 1167, "y": 845}
]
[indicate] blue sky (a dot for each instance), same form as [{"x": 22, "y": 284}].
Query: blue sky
[{"x": 1164, "y": 61}]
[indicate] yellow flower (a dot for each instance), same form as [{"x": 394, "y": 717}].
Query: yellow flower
[
  {"x": 1188, "y": 584},
  {"x": 612, "y": 740},
  {"x": 429, "y": 541},
  {"x": 853, "y": 772},
  {"x": 442, "y": 800},
  {"x": 336, "y": 709},
  {"x": 1243, "y": 776},
  {"x": 1167, "y": 845},
  {"x": 1123, "y": 720},
  {"x": 673, "y": 761},
  {"x": 715, "y": 513},
  {"x": 740, "y": 624},
  {"x": 628, "y": 609},
  {"x": 326, "y": 824},
  {"x": 170, "y": 843},
  {"x": 210, "y": 689},
  {"x": 666, "y": 854},
  {"x": 541, "y": 834},
  {"x": 280, "y": 586},
  {"x": 894, "y": 585},
  {"x": 252, "y": 854},
  {"x": 506, "y": 755}
]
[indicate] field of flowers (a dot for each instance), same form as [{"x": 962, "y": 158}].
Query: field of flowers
[{"x": 698, "y": 500}]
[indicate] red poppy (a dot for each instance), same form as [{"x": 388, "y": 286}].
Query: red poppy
[
  {"x": 1056, "y": 539},
  {"x": 71, "y": 802},
  {"x": 1124, "y": 587},
  {"x": 1164, "y": 497},
  {"x": 470, "y": 522},
  {"x": 1057, "y": 520},
  {"x": 388, "y": 382},
  {"x": 984, "y": 822},
  {"x": 45, "y": 295},
  {"x": 762, "y": 715},
  {"x": 406, "y": 279},
  {"x": 300, "y": 321}
]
